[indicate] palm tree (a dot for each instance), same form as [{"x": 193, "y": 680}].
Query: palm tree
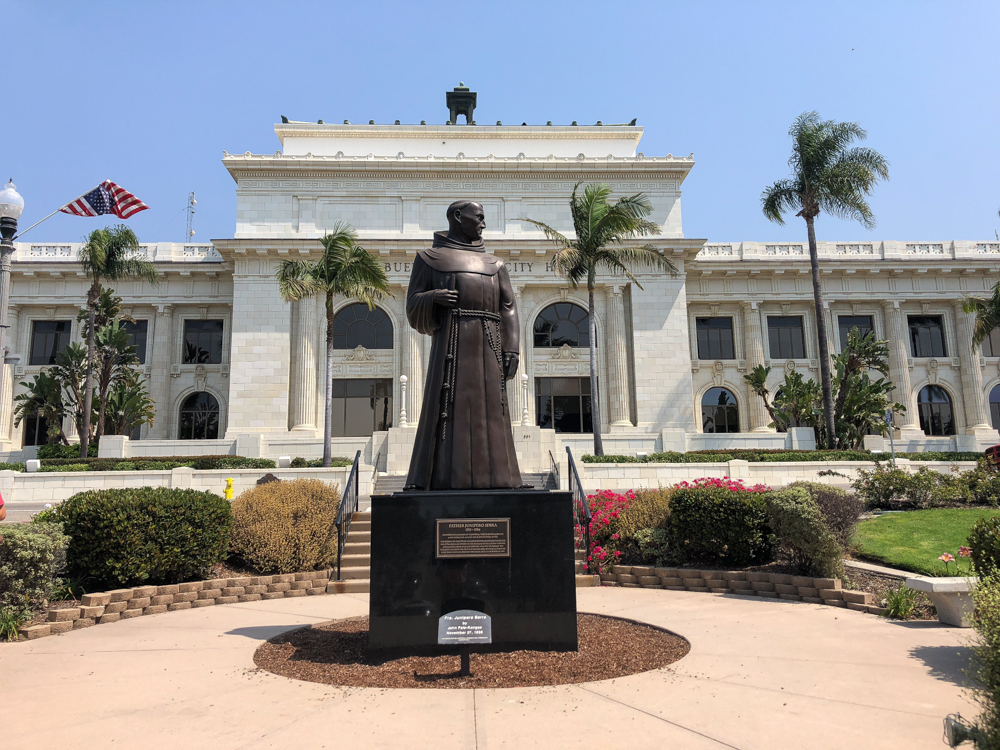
[
  {"x": 108, "y": 254},
  {"x": 827, "y": 175},
  {"x": 347, "y": 269},
  {"x": 601, "y": 228},
  {"x": 987, "y": 310}
]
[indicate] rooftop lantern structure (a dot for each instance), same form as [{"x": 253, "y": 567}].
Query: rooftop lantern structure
[{"x": 460, "y": 101}]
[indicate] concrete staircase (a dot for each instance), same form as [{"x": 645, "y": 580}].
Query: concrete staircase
[
  {"x": 386, "y": 484},
  {"x": 355, "y": 566}
]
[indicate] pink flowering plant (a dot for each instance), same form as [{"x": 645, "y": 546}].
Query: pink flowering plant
[
  {"x": 963, "y": 553},
  {"x": 606, "y": 508}
]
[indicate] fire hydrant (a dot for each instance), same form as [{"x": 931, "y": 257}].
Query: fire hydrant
[{"x": 229, "y": 489}]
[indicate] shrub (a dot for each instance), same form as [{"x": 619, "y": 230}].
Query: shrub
[
  {"x": 31, "y": 556},
  {"x": 984, "y": 485},
  {"x": 769, "y": 456},
  {"x": 840, "y": 509},
  {"x": 941, "y": 456},
  {"x": 655, "y": 547},
  {"x": 162, "y": 463},
  {"x": 647, "y": 509},
  {"x": 65, "y": 467},
  {"x": 900, "y": 602},
  {"x": 882, "y": 486},
  {"x": 984, "y": 544},
  {"x": 284, "y": 527},
  {"x": 4, "y": 466},
  {"x": 720, "y": 521},
  {"x": 124, "y": 537},
  {"x": 315, "y": 463},
  {"x": 929, "y": 488},
  {"x": 801, "y": 530},
  {"x": 12, "y": 618},
  {"x": 985, "y": 667},
  {"x": 57, "y": 450},
  {"x": 124, "y": 466},
  {"x": 606, "y": 508}
]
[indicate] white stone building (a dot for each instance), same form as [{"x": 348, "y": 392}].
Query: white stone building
[{"x": 232, "y": 367}]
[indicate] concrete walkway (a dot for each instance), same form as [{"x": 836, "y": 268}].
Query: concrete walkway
[{"x": 761, "y": 674}]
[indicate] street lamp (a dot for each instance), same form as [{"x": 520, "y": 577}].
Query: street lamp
[{"x": 11, "y": 206}]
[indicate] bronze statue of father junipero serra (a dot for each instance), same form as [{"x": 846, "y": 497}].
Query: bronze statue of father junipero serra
[{"x": 462, "y": 297}]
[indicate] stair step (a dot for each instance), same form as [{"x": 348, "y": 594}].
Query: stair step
[
  {"x": 357, "y": 548},
  {"x": 365, "y": 537},
  {"x": 355, "y": 573},
  {"x": 585, "y": 581},
  {"x": 355, "y": 586},
  {"x": 353, "y": 561}
]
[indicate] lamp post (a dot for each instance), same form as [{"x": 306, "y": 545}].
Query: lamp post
[{"x": 11, "y": 206}]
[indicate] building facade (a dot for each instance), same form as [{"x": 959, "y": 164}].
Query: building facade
[{"x": 227, "y": 359}]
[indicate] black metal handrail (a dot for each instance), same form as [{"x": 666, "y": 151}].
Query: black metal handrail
[
  {"x": 554, "y": 468},
  {"x": 348, "y": 507},
  {"x": 581, "y": 509}
]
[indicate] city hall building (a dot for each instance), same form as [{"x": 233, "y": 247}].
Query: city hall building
[{"x": 233, "y": 367}]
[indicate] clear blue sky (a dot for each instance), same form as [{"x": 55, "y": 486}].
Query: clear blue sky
[{"x": 149, "y": 95}]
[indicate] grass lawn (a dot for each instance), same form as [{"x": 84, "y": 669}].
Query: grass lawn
[{"x": 915, "y": 539}]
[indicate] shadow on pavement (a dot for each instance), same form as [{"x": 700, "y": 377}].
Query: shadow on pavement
[
  {"x": 946, "y": 663},
  {"x": 263, "y": 632}
]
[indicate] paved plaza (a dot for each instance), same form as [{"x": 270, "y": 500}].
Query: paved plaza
[{"x": 761, "y": 674}]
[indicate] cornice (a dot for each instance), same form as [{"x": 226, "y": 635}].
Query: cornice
[{"x": 462, "y": 132}]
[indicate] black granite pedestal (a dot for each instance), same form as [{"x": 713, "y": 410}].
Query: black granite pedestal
[{"x": 530, "y": 595}]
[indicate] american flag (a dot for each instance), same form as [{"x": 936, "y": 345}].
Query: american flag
[{"x": 106, "y": 198}]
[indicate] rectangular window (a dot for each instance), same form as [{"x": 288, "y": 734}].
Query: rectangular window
[
  {"x": 715, "y": 338},
  {"x": 35, "y": 430},
  {"x": 785, "y": 337},
  {"x": 48, "y": 338},
  {"x": 926, "y": 336},
  {"x": 991, "y": 344},
  {"x": 202, "y": 342},
  {"x": 847, "y": 323},
  {"x": 361, "y": 407},
  {"x": 563, "y": 404},
  {"x": 137, "y": 337}
]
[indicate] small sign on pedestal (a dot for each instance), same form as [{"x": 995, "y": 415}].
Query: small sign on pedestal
[{"x": 463, "y": 628}]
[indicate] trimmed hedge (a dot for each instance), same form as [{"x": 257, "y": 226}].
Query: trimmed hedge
[
  {"x": 773, "y": 456},
  {"x": 11, "y": 467},
  {"x": 314, "y": 463},
  {"x": 128, "y": 537},
  {"x": 31, "y": 556},
  {"x": 158, "y": 463},
  {"x": 802, "y": 532},
  {"x": 57, "y": 450},
  {"x": 721, "y": 525}
]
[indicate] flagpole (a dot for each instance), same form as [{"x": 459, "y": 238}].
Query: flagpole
[{"x": 81, "y": 195}]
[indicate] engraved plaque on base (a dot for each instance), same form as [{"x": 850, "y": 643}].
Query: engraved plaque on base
[
  {"x": 464, "y": 627},
  {"x": 457, "y": 538}
]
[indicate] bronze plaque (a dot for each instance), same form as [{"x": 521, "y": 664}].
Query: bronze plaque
[{"x": 472, "y": 537}]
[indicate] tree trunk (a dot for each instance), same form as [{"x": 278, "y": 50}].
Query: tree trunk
[
  {"x": 824, "y": 345},
  {"x": 595, "y": 396},
  {"x": 328, "y": 422},
  {"x": 88, "y": 397}
]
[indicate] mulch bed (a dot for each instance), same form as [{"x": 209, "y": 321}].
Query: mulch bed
[
  {"x": 336, "y": 653},
  {"x": 878, "y": 584}
]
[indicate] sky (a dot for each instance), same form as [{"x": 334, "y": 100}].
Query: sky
[{"x": 150, "y": 94}]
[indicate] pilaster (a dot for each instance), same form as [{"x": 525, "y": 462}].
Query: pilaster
[
  {"x": 753, "y": 344},
  {"x": 977, "y": 418},
  {"x": 616, "y": 358},
  {"x": 899, "y": 365},
  {"x": 302, "y": 408},
  {"x": 159, "y": 372},
  {"x": 413, "y": 369}
]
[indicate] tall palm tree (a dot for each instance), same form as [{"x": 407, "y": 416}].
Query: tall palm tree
[
  {"x": 601, "y": 228},
  {"x": 987, "y": 310},
  {"x": 108, "y": 254},
  {"x": 827, "y": 175},
  {"x": 347, "y": 269}
]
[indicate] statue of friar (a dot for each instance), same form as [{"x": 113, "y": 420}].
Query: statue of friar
[{"x": 462, "y": 297}]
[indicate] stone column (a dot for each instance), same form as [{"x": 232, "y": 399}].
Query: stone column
[
  {"x": 515, "y": 397},
  {"x": 617, "y": 360},
  {"x": 303, "y": 366},
  {"x": 413, "y": 369},
  {"x": 7, "y": 382},
  {"x": 899, "y": 364},
  {"x": 976, "y": 415},
  {"x": 159, "y": 371},
  {"x": 753, "y": 345}
]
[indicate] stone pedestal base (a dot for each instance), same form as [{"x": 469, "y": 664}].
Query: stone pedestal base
[{"x": 530, "y": 596}]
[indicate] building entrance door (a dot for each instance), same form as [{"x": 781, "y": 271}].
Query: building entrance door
[{"x": 361, "y": 407}]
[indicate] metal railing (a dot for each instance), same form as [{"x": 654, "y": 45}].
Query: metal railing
[
  {"x": 554, "y": 468},
  {"x": 348, "y": 507},
  {"x": 581, "y": 509}
]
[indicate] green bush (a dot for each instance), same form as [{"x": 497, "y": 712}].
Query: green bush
[
  {"x": 31, "y": 556},
  {"x": 286, "y": 527},
  {"x": 125, "y": 537},
  {"x": 315, "y": 463},
  {"x": 983, "y": 484},
  {"x": 985, "y": 665},
  {"x": 984, "y": 542},
  {"x": 900, "y": 602},
  {"x": 769, "y": 456},
  {"x": 655, "y": 547},
  {"x": 720, "y": 525},
  {"x": 647, "y": 509},
  {"x": 939, "y": 456},
  {"x": 801, "y": 531},
  {"x": 124, "y": 466},
  {"x": 65, "y": 467},
  {"x": 57, "y": 450},
  {"x": 11, "y": 467},
  {"x": 841, "y": 510},
  {"x": 161, "y": 463}
]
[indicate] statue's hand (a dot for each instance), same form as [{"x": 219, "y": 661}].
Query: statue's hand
[
  {"x": 445, "y": 297},
  {"x": 510, "y": 363}
]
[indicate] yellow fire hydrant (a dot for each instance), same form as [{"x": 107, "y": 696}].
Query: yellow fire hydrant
[{"x": 229, "y": 489}]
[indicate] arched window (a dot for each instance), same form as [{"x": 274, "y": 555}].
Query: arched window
[
  {"x": 199, "y": 417},
  {"x": 719, "y": 412},
  {"x": 356, "y": 326},
  {"x": 562, "y": 323},
  {"x": 936, "y": 414},
  {"x": 995, "y": 407}
]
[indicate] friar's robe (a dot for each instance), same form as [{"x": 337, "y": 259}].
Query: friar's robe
[{"x": 464, "y": 438}]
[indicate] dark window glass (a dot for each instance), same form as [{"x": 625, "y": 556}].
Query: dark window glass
[
  {"x": 991, "y": 344},
  {"x": 847, "y": 323},
  {"x": 715, "y": 338},
  {"x": 137, "y": 337},
  {"x": 203, "y": 342},
  {"x": 36, "y": 430},
  {"x": 995, "y": 406},
  {"x": 199, "y": 417},
  {"x": 562, "y": 323},
  {"x": 563, "y": 404},
  {"x": 356, "y": 326},
  {"x": 361, "y": 407},
  {"x": 936, "y": 417},
  {"x": 48, "y": 338},
  {"x": 926, "y": 336},
  {"x": 785, "y": 337},
  {"x": 719, "y": 412}
]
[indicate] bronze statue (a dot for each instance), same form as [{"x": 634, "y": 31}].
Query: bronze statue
[{"x": 462, "y": 297}]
